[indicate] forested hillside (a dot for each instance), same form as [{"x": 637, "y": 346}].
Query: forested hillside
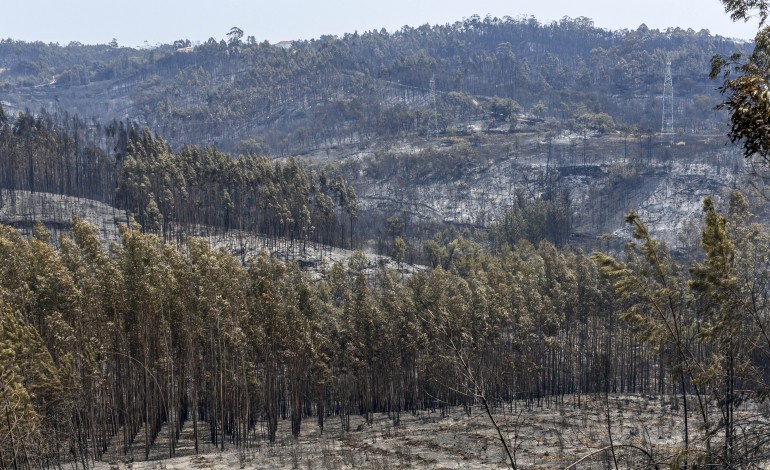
[
  {"x": 246, "y": 96},
  {"x": 161, "y": 332},
  {"x": 396, "y": 201},
  {"x": 430, "y": 115}
]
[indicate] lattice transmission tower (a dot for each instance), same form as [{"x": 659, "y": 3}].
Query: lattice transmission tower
[
  {"x": 667, "y": 128},
  {"x": 434, "y": 114}
]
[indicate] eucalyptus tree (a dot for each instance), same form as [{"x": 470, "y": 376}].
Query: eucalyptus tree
[
  {"x": 29, "y": 384},
  {"x": 659, "y": 306},
  {"x": 220, "y": 295},
  {"x": 463, "y": 341},
  {"x": 711, "y": 327},
  {"x": 268, "y": 330}
]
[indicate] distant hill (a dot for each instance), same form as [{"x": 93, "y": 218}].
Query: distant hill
[{"x": 289, "y": 99}]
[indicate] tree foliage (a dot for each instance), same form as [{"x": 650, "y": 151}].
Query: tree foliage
[
  {"x": 745, "y": 86},
  {"x": 707, "y": 327}
]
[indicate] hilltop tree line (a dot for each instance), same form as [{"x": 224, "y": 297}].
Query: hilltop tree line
[
  {"x": 248, "y": 96},
  {"x": 174, "y": 193}
]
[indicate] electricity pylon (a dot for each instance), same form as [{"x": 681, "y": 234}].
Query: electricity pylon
[
  {"x": 434, "y": 116},
  {"x": 667, "y": 128}
]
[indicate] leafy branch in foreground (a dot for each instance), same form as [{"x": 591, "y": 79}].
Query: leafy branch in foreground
[
  {"x": 746, "y": 82},
  {"x": 655, "y": 289}
]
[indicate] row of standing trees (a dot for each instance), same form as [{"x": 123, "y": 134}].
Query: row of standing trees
[
  {"x": 106, "y": 346},
  {"x": 174, "y": 193}
]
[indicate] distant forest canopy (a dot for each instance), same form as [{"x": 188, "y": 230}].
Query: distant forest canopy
[{"x": 249, "y": 97}]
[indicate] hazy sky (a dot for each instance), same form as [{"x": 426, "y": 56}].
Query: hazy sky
[{"x": 132, "y": 22}]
